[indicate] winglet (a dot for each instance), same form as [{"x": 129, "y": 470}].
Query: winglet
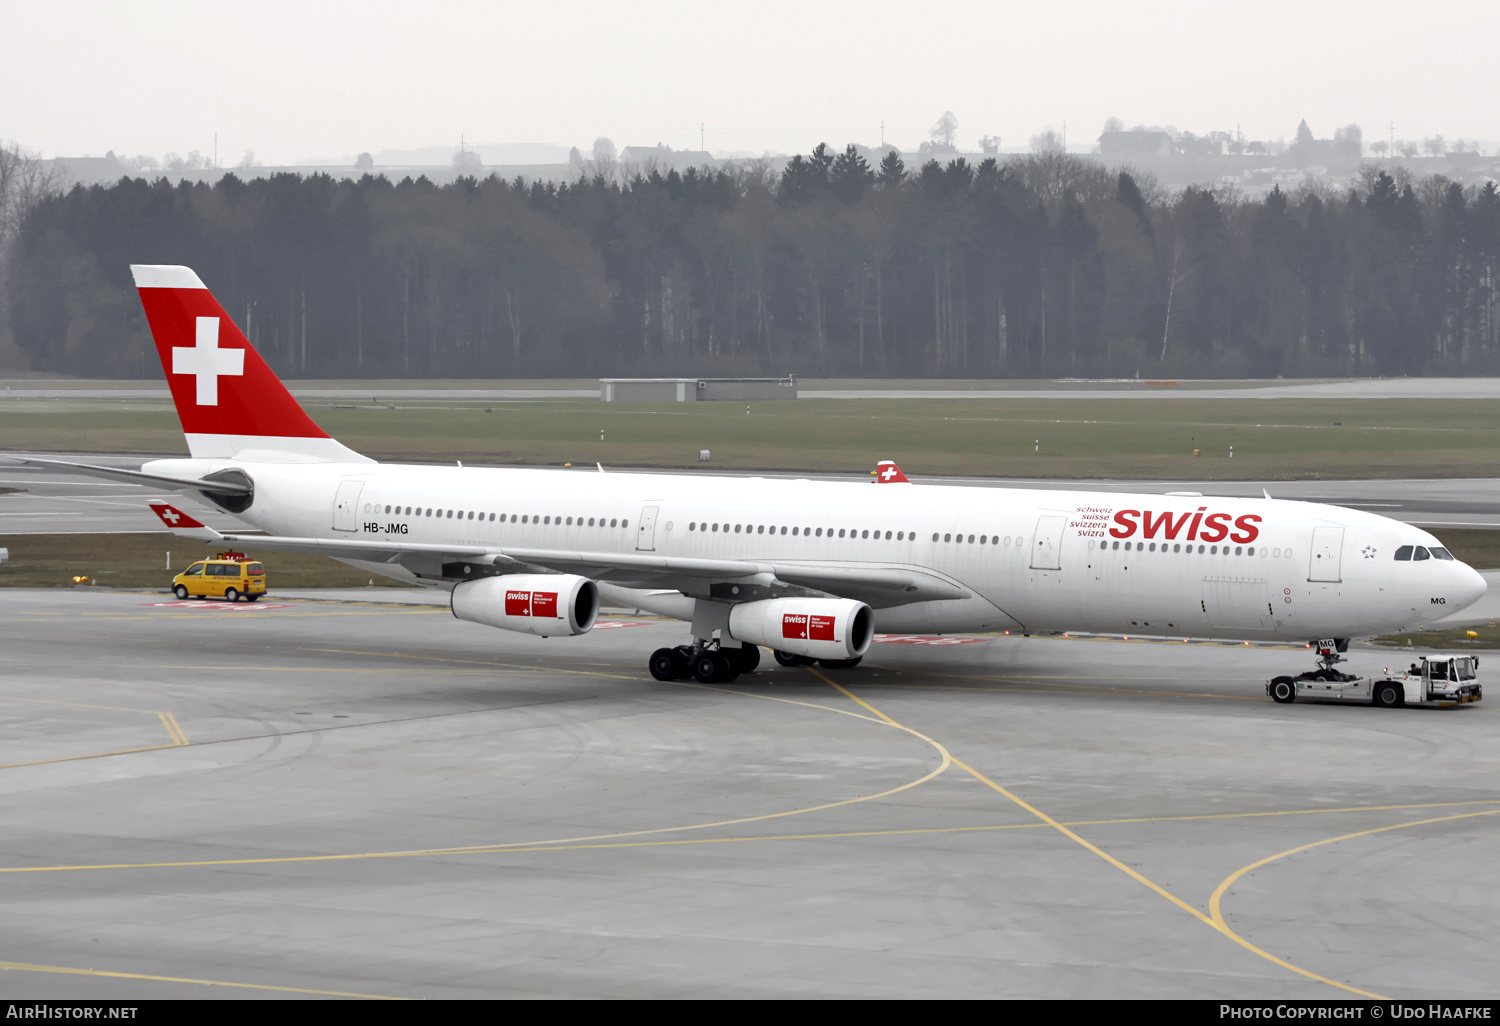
[
  {"x": 886, "y": 472},
  {"x": 180, "y": 523},
  {"x": 1266, "y": 492}
]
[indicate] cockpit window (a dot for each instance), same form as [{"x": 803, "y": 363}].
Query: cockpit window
[
  {"x": 1440, "y": 553},
  {"x": 1403, "y": 554},
  {"x": 1421, "y": 554}
]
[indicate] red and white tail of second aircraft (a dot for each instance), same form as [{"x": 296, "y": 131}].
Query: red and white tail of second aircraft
[{"x": 810, "y": 569}]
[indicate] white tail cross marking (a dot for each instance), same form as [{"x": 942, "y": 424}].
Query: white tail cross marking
[{"x": 207, "y": 361}]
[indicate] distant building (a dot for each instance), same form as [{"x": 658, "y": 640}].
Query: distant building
[
  {"x": 1136, "y": 145},
  {"x": 664, "y": 158},
  {"x": 691, "y": 390}
]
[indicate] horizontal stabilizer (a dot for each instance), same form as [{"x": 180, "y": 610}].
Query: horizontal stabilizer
[
  {"x": 179, "y": 484},
  {"x": 182, "y": 524}
]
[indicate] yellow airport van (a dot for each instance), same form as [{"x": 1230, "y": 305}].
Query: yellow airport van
[{"x": 229, "y": 575}]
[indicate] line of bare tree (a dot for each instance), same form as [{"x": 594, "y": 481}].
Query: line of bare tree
[{"x": 1047, "y": 264}]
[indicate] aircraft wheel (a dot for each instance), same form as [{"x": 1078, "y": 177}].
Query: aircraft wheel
[
  {"x": 788, "y": 659},
  {"x": 840, "y": 664},
  {"x": 180, "y": 592},
  {"x": 1283, "y": 690},
  {"x": 663, "y": 664},
  {"x": 682, "y": 657},
  {"x": 713, "y": 668},
  {"x": 1389, "y": 695},
  {"x": 231, "y": 594},
  {"x": 745, "y": 658},
  {"x": 706, "y": 667}
]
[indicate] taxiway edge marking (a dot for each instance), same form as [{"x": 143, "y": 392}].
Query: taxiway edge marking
[
  {"x": 1215, "y": 901},
  {"x": 70, "y": 971}
]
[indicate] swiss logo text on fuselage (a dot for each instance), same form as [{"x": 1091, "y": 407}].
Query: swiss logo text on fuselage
[{"x": 1200, "y": 526}]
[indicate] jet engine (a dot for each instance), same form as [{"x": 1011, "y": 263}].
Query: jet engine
[
  {"x": 812, "y": 627},
  {"x": 548, "y": 605}
]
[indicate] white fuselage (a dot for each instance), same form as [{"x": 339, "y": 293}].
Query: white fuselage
[{"x": 1033, "y": 561}]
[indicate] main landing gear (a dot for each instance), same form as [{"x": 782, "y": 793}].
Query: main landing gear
[
  {"x": 712, "y": 664},
  {"x": 1284, "y": 689},
  {"x": 704, "y": 663}
]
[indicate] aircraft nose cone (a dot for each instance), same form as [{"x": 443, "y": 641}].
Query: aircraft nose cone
[{"x": 1470, "y": 586}]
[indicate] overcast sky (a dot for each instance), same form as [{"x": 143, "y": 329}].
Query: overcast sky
[{"x": 297, "y": 79}]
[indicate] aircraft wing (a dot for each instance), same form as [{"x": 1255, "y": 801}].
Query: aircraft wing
[
  {"x": 880, "y": 587},
  {"x": 351, "y": 548}
]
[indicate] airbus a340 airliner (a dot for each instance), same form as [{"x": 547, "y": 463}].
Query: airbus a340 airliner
[{"x": 809, "y": 569}]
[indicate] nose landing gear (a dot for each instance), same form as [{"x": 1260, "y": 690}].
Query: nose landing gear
[{"x": 1284, "y": 689}]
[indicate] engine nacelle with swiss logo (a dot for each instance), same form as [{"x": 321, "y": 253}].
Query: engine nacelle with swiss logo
[
  {"x": 812, "y": 627},
  {"x": 548, "y": 605}
]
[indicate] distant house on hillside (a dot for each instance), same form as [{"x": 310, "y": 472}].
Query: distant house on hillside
[
  {"x": 664, "y": 158},
  {"x": 1136, "y": 145}
]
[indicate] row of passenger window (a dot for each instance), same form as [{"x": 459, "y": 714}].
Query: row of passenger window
[
  {"x": 524, "y": 518},
  {"x": 1211, "y": 550},
  {"x": 1416, "y": 553},
  {"x": 810, "y": 532},
  {"x": 842, "y": 532}
]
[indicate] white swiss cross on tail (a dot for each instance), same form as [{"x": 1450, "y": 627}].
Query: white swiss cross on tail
[
  {"x": 886, "y": 472},
  {"x": 207, "y": 361}
]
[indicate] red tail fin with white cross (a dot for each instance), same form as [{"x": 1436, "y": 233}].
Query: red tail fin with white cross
[
  {"x": 886, "y": 472},
  {"x": 230, "y": 403}
]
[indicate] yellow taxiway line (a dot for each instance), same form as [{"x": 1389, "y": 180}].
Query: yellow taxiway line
[
  {"x": 1214, "y": 921},
  {"x": 70, "y": 971},
  {"x": 174, "y": 731}
]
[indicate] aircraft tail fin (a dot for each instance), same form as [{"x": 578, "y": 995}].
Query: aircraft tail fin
[{"x": 231, "y": 404}]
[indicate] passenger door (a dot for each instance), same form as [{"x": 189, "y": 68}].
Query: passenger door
[
  {"x": 1326, "y": 559},
  {"x": 1046, "y": 549},
  {"x": 645, "y": 536},
  {"x": 346, "y": 505}
]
